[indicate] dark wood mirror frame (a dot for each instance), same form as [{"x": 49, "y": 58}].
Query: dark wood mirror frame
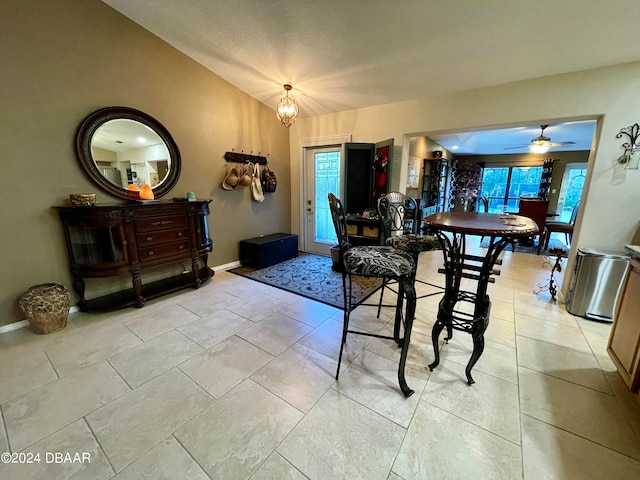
[{"x": 90, "y": 125}]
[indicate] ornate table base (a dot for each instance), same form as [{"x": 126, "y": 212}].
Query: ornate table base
[{"x": 458, "y": 265}]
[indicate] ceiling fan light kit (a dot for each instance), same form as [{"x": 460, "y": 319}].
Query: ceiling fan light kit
[
  {"x": 539, "y": 148},
  {"x": 541, "y": 144},
  {"x": 287, "y": 110}
]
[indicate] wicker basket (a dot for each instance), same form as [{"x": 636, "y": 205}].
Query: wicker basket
[{"x": 46, "y": 307}]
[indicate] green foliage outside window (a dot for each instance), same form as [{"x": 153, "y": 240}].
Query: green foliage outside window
[{"x": 503, "y": 186}]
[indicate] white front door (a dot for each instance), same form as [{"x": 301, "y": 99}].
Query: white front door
[{"x": 322, "y": 176}]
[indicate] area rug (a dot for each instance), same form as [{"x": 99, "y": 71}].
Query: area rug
[
  {"x": 553, "y": 244},
  {"x": 311, "y": 276}
]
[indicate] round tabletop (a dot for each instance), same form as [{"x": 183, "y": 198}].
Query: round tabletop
[{"x": 488, "y": 224}]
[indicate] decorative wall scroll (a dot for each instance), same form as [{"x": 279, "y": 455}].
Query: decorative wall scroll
[{"x": 631, "y": 155}]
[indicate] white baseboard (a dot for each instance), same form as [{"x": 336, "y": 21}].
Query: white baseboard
[
  {"x": 14, "y": 326},
  {"x": 227, "y": 266},
  {"x": 25, "y": 323}
]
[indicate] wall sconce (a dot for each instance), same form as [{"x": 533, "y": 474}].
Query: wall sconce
[
  {"x": 287, "y": 110},
  {"x": 631, "y": 156}
]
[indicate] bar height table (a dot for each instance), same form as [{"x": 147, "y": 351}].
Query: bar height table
[{"x": 451, "y": 229}]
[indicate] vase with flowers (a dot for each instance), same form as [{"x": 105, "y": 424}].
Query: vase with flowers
[{"x": 467, "y": 185}]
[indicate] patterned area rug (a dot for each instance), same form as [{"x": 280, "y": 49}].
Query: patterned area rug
[
  {"x": 553, "y": 244},
  {"x": 311, "y": 276}
]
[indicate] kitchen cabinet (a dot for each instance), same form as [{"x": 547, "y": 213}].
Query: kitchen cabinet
[{"x": 624, "y": 341}]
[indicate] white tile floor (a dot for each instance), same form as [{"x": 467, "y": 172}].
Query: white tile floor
[{"x": 235, "y": 380}]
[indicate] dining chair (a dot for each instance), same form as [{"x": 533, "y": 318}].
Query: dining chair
[
  {"x": 482, "y": 206},
  {"x": 399, "y": 214},
  {"x": 561, "y": 227},
  {"x": 536, "y": 209},
  {"x": 379, "y": 262}
]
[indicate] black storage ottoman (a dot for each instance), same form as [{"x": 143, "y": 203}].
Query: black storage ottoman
[{"x": 267, "y": 250}]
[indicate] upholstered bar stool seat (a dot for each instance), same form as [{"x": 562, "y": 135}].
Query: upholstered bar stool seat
[
  {"x": 387, "y": 263},
  {"x": 378, "y": 262},
  {"x": 414, "y": 243}
]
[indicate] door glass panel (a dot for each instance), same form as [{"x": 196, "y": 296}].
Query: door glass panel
[
  {"x": 326, "y": 180},
  {"x": 574, "y": 192}
]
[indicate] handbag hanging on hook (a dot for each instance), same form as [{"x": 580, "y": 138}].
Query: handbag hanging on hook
[{"x": 268, "y": 180}]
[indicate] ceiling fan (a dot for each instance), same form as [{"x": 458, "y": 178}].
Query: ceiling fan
[{"x": 542, "y": 143}]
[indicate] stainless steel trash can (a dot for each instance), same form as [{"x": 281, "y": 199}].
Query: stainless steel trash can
[{"x": 596, "y": 282}]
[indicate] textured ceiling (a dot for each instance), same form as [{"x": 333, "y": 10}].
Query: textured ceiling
[
  {"x": 517, "y": 140},
  {"x": 341, "y": 54}
]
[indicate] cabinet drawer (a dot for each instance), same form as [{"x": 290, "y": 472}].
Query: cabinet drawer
[
  {"x": 153, "y": 224},
  {"x": 149, "y": 254},
  {"x": 370, "y": 231},
  {"x": 160, "y": 237}
]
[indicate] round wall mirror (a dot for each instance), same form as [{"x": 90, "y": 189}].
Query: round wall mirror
[{"x": 120, "y": 146}]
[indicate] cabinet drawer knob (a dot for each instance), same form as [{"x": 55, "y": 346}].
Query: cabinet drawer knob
[
  {"x": 150, "y": 253},
  {"x": 149, "y": 239},
  {"x": 181, "y": 247},
  {"x": 179, "y": 234}
]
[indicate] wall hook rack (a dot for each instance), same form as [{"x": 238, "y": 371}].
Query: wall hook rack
[{"x": 245, "y": 158}]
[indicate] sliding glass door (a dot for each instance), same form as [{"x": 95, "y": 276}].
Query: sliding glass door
[{"x": 503, "y": 186}]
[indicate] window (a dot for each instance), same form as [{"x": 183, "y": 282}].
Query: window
[{"x": 503, "y": 186}]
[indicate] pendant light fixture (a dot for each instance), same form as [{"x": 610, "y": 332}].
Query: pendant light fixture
[{"x": 287, "y": 110}]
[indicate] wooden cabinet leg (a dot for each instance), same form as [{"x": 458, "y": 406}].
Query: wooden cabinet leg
[
  {"x": 195, "y": 268},
  {"x": 79, "y": 287},
  {"x": 205, "y": 261},
  {"x": 137, "y": 287}
]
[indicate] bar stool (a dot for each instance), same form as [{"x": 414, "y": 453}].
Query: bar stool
[
  {"x": 400, "y": 229},
  {"x": 380, "y": 262}
]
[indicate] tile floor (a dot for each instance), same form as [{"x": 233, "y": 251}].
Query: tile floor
[{"x": 235, "y": 380}]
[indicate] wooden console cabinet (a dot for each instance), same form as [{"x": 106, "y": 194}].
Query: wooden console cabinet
[{"x": 109, "y": 240}]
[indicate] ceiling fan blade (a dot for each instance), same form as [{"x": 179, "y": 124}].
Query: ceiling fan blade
[
  {"x": 517, "y": 146},
  {"x": 561, "y": 144}
]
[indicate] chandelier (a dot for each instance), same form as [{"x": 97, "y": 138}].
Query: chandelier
[{"x": 287, "y": 110}]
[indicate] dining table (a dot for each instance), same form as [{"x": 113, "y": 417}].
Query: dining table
[
  {"x": 549, "y": 214},
  {"x": 451, "y": 229}
]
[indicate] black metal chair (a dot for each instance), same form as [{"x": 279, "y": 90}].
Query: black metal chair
[
  {"x": 482, "y": 206},
  {"x": 399, "y": 215},
  {"x": 561, "y": 227},
  {"x": 380, "y": 262}
]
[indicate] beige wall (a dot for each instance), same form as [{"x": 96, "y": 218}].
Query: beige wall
[
  {"x": 423, "y": 147},
  {"x": 65, "y": 59},
  {"x": 610, "y": 213}
]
